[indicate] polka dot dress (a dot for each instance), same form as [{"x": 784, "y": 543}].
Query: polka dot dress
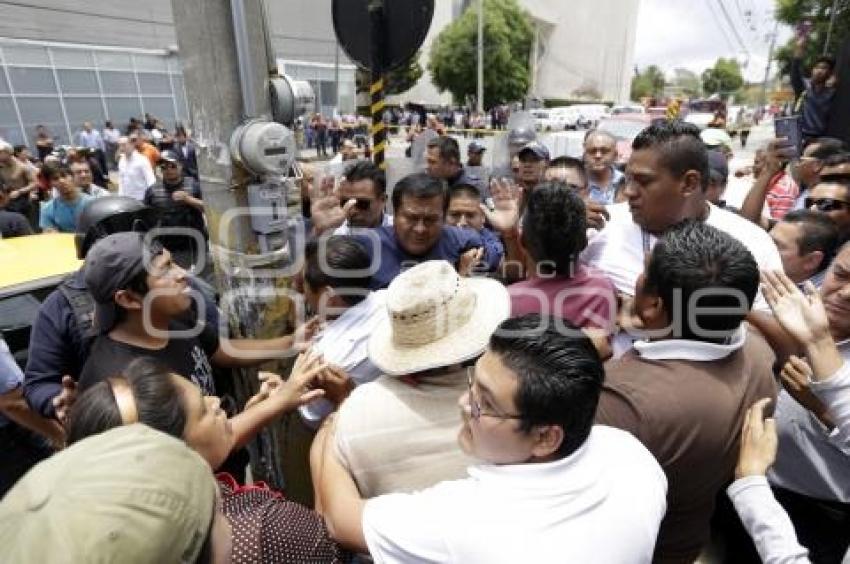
[{"x": 269, "y": 529}]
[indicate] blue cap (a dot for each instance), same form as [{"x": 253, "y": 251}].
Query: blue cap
[{"x": 539, "y": 150}]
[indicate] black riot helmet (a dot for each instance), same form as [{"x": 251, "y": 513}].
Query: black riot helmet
[{"x": 111, "y": 214}]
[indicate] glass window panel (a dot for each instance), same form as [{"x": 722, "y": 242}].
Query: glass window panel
[
  {"x": 32, "y": 81},
  {"x": 162, "y": 109},
  {"x": 122, "y": 109},
  {"x": 114, "y": 61},
  {"x": 4, "y": 86},
  {"x": 114, "y": 83},
  {"x": 154, "y": 83},
  {"x": 9, "y": 128},
  {"x": 84, "y": 109},
  {"x": 150, "y": 63},
  {"x": 174, "y": 65},
  {"x": 328, "y": 93},
  {"x": 78, "y": 82},
  {"x": 72, "y": 58},
  {"x": 46, "y": 112},
  {"x": 25, "y": 55}
]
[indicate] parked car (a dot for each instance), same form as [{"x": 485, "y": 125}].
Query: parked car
[
  {"x": 565, "y": 117},
  {"x": 624, "y": 128},
  {"x": 627, "y": 109},
  {"x": 591, "y": 113},
  {"x": 701, "y": 112}
]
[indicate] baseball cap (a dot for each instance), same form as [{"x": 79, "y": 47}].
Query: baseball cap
[
  {"x": 476, "y": 147},
  {"x": 539, "y": 150},
  {"x": 111, "y": 264},
  {"x": 169, "y": 157},
  {"x": 128, "y": 494},
  {"x": 718, "y": 167}
]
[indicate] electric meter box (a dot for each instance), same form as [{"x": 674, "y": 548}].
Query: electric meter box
[
  {"x": 264, "y": 147},
  {"x": 268, "y": 207}
]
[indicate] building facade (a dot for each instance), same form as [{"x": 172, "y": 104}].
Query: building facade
[{"x": 63, "y": 63}]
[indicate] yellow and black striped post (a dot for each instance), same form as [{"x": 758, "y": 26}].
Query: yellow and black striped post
[
  {"x": 376, "y": 88},
  {"x": 379, "y": 130}
]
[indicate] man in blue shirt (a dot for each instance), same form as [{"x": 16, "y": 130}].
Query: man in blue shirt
[
  {"x": 600, "y": 153},
  {"x": 61, "y": 213},
  {"x": 419, "y": 232}
]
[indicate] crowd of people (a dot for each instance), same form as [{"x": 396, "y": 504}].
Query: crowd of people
[{"x": 561, "y": 362}]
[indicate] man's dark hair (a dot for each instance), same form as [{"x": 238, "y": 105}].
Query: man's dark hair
[
  {"x": 448, "y": 147},
  {"x": 559, "y": 377},
  {"x": 679, "y": 146},
  {"x": 826, "y": 147},
  {"x": 58, "y": 171},
  {"x": 827, "y": 60},
  {"x": 419, "y": 185},
  {"x": 819, "y": 233},
  {"x": 695, "y": 261},
  {"x": 467, "y": 190},
  {"x": 570, "y": 162},
  {"x": 554, "y": 228},
  {"x": 159, "y": 402},
  {"x": 342, "y": 254},
  {"x": 367, "y": 170},
  {"x": 18, "y": 149}
]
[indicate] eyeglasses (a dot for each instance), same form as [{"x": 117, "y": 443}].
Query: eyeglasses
[
  {"x": 361, "y": 204},
  {"x": 475, "y": 410},
  {"x": 826, "y": 204}
]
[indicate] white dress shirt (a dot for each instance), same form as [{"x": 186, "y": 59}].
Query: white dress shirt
[
  {"x": 618, "y": 249},
  {"x": 135, "y": 175},
  {"x": 345, "y": 343},
  {"x": 603, "y": 503}
]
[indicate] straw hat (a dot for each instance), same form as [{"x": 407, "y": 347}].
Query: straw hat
[{"x": 436, "y": 318}]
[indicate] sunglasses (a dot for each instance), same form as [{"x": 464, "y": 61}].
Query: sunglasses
[
  {"x": 361, "y": 204},
  {"x": 826, "y": 204}
]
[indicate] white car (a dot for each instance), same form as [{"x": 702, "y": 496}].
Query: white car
[
  {"x": 590, "y": 114},
  {"x": 565, "y": 117},
  {"x": 627, "y": 109}
]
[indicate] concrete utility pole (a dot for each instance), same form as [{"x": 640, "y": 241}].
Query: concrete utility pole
[
  {"x": 224, "y": 85},
  {"x": 769, "y": 61}
]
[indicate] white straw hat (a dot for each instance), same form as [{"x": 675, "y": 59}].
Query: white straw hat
[{"x": 436, "y": 318}]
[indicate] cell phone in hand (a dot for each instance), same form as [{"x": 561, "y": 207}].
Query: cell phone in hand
[{"x": 789, "y": 128}]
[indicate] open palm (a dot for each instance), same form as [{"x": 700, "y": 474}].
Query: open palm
[
  {"x": 506, "y": 203},
  {"x": 801, "y": 315}
]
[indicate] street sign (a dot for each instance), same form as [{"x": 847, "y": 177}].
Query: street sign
[{"x": 406, "y": 23}]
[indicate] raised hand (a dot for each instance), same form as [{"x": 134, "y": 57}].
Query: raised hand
[
  {"x": 467, "y": 261},
  {"x": 795, "y": 376},
  {"x": 325, "y": 209},
  {"x": 758, "y": 442},
  {"x": 507, "y": 198},
  {"x": 801, "y": 315}
]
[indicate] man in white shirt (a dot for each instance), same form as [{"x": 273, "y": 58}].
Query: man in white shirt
[
  {"x": 135, "y": 173},
  {"x": 336, "y": 287},
  {"x": 666, "y": 179},
  {"x": 550, "y": 487}
]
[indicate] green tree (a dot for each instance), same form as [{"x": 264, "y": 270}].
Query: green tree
[
  {"x": 723, "y": 78},
  {"x": 686, "y": 83},
  {"x": 648, "y": 83},
  {"x": 819, "y": 13},
  {"x": 508, "y": 36},
  {"x": 397, "y": 81}
]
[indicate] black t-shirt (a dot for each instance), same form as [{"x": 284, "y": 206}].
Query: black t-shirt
[
  {"x": 13, "y": 224},
  {"x": 189, "y": 357}
]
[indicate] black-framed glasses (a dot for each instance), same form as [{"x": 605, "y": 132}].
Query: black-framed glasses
[
  {"x": 826, "y": 204},
  {"x": 361, "y": 204},
  {"x": 475, "y": 410}
]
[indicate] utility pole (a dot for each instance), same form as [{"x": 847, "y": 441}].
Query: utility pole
[
  {"x": 227, "y": 61},
  {"x": 769, "y": 61},
  {"x": 377, "y": 31},
  {"x": 480, "y": 92},
  {"x": 833, "y": 13}
]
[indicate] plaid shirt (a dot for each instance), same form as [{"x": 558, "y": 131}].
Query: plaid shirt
[{"x": 782, "y": 195}]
